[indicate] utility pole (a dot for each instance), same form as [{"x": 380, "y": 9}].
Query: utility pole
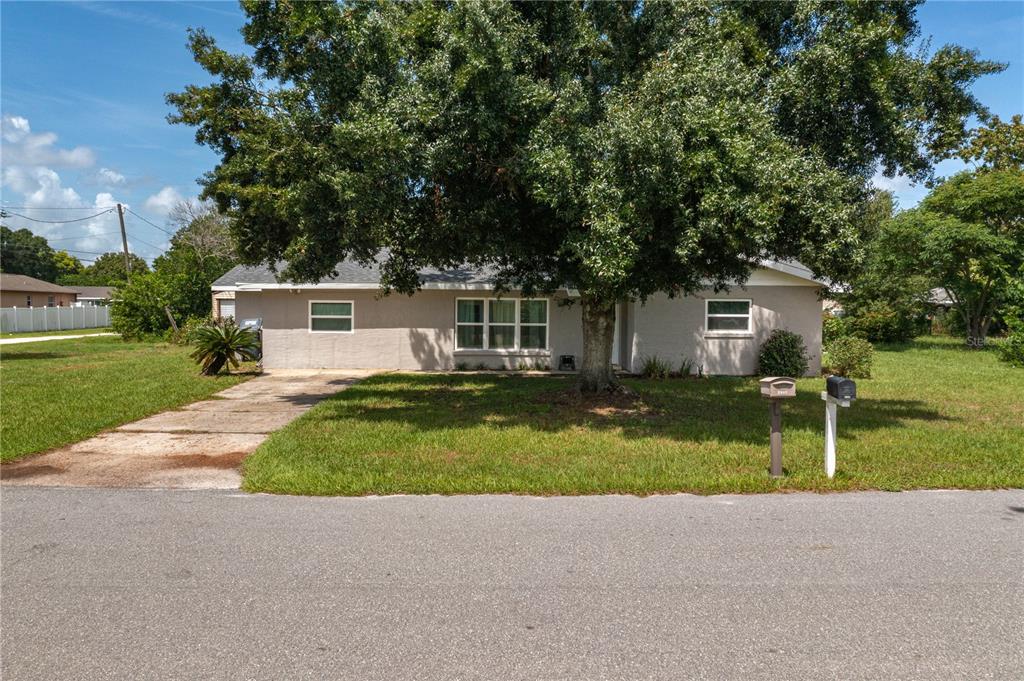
[{"x": 124, "y": 244}]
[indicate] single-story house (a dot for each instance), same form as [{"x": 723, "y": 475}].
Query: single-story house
[
  {"x": 19, "y": 290},
  {"x": 91, "y": 296},
  {"x": 457, "y": 319},
  {"x": 223, "y": 304}
]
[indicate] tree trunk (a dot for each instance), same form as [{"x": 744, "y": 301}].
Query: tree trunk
[
  {"x": 215, "y": 366},
  {"x": 595, "y": 373}
]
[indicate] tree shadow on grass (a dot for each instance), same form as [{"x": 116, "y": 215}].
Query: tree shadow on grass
[
  {"x": 718, "y": 409},
  {"x": 12, "y": 355}
]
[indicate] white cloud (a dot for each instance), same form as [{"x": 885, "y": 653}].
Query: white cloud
[
  {"x": 22, "y": 147},
  {"x": 163, "y": 200},
  {"x": 109, "y": 177}
]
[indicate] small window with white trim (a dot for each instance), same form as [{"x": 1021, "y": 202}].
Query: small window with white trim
[
  {"x": 331, "y": 316},
  {"x": 469, "y": 324},
  {"x": 727, "y": 316}
]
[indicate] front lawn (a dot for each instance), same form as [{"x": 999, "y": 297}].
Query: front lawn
[
  {"x": 56, "y": 392},
  {"x": 936, "y": 415}
]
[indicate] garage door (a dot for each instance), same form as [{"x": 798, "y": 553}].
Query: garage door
[{"x": 227, "y": 308}]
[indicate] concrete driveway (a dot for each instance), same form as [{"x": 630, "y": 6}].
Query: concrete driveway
[{"x": 198, "y": 446}]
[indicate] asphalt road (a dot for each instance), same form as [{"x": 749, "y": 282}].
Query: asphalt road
[{"x": 204, "y": 584}]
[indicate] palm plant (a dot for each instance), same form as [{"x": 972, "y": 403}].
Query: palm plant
[{"x": 223, "y": 343}]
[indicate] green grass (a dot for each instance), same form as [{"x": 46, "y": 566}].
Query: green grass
[
  {"x": 74, "y": 332},
  {"x": 936, "y": 415},
  {"x": 59, "y": 392}
]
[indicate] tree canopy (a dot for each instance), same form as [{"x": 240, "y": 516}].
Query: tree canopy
[
  {"x": 623, "y": 148},
  {"x": 22, "y": 252},
  {"x": 201, "y": 250}
]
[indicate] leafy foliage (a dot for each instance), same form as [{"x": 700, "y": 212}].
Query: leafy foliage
[
  {"x": 783, "y": 353},
  {"x": 655, "y": 367},
  {"x": 223, "y": 344},
  {"x": 107, "y": 270},
  {"x": 966, "y": 236},
  {"x": 849, "y": 356},
  {"x": 997, "y": 145},
  {"x": 181, "y": 277},
  {"x": 22, "y": 252},
  {"x": 629, "y": 148}
]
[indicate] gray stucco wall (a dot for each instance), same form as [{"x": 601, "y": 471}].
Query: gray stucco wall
[
  {"x": 674, "y": 328},
  {"x": 395, "y": 332},
  {"x": 417, "y": 333}
]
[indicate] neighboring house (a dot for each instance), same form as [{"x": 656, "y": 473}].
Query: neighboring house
[
  {"x": 223, "y": 304},
  {"x": 19, "y": 290},
  {"x": 91, "y": 296},
  {"x": 456, "y": 319}
]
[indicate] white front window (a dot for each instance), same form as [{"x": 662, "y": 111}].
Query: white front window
[
  {"x": 331, "y": 316},
  {"x": 727, "y": 317},
  {"x": 501, "y": 324}
]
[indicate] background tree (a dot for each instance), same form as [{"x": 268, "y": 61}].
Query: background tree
[
  {"x": 107, "y": 270},
  {"x": 66, "y": 264},
  {"x": 997, "y": 145},
  {"x": 201, "y": 251},
  {"x": 876, "y": 304},
  {"x": 22, "y": 252},
  {"x": 624, "y": 149},
  {"x": 967, "y": 236}
]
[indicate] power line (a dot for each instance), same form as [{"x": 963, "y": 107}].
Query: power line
[
  {"x": 56, "y": 222},
  {"x": 49, "y": 208},
  {"x": 84, "y": 236},
  {"x": 152, "y": 224}
]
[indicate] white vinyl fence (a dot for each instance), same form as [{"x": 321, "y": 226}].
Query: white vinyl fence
[{"x": 19, "y": 319}]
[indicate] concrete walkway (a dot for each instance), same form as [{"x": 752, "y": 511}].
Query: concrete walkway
[
  {"x": 37, "y": 339},
  {"x": 199, "y": 446}
]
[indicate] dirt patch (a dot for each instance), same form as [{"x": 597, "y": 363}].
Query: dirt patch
[
  {"x": 28, "y": 471},
  {"x": 622, "y": 403},
  {"x": 228, "y": 460}
]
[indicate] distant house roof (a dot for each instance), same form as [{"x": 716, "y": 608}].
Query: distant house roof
[
  {"x": 21, "y": 282},
  {"x": 940, "y": 296},
  {"x": 92, "y": 292},
  {"x": 352, "y": 275}
]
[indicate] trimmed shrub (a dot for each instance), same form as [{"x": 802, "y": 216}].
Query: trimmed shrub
[
  {"x": 783, "y": 354},
  {"x": 655, "y": 367},
  {"x": 850, "y": 357}
]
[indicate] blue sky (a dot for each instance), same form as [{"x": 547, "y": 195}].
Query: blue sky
[{"x": 82, "y": 100}]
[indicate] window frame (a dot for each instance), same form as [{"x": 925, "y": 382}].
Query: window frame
[
  {"x": 708, "y": 315},
  {"x": 351, "y": 316},
  {"x": 518, "y": 346}
]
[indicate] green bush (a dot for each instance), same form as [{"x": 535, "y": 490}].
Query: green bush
[
  {"x": 783, "y": 354},
  {"x": 879, "y": 322},
  {"x": 1011, "y": 349},
  {"x": 849, "y": 356},
  {"x": 833, "y": 327},
  {"x": 655, "y": 367}
]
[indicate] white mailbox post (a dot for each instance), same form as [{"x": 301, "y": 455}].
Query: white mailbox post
[{"x": 839, "y": 392}]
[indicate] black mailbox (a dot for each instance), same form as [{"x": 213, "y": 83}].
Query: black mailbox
[
  {"x": 567, "y": 363},
  {"x": 841, "y": 388}
]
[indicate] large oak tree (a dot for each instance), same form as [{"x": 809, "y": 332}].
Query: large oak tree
[{"x": 621, "y": 149}]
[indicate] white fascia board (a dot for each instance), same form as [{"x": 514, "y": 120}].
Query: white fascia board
[
  {"x": 794, "y": 270},
  {"x": 340, "y": 286},
  {"x": 215, "y": 289}
]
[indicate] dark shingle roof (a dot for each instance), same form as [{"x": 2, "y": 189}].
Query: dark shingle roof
[
  {"x": 99, "y": 292},
  {"x": 351, "y": 272},
  {"x": 21, "y": 282}
]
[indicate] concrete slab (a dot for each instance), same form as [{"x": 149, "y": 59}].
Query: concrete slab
[
  {"x": 226, "y": 421},
  {"x": 199, "y": 446}
]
